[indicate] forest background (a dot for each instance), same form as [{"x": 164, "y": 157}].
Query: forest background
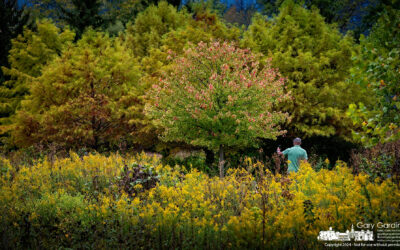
[{"x": 77, "y": 75}]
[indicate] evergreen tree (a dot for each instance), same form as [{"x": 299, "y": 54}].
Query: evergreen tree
[
  {"x": 214, "y": 6},
  {"x": 109, "y": 15},
  {"x": 204, "y": 27},
  {"x": 82, "y": 14},
  {"x": 12, "y": 21},
  {"x": 125, "y": 11},
  {"x": 30, "y": 52},
  {"x": 113, "y": 14},
  {"x": 356, "y": 15},
  {"x": 48, "y": 9},
  {"x": 316, "y": 59},
  {"x": 87, "y": 97},
  {"x": 372, "y": 12},
  {"x": 149, "y": 27}
]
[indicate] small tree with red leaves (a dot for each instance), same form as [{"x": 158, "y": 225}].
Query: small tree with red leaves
[{"x": 219, "y": 96}]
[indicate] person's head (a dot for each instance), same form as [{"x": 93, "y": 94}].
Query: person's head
[{"x": 297, "y": 141}]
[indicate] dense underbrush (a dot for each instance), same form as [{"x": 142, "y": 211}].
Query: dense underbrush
[{"x": 99, "y": 201}]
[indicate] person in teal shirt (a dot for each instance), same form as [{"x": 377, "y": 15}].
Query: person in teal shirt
[{"x": 294, "y": 155}]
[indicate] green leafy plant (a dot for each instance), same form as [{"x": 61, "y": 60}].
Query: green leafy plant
[
  {"x": 316, "y": 58},
  {"x": 377, "y": 69},
  {"x": 218, "y": 96}
]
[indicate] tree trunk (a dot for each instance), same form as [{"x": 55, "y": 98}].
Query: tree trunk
[
  {"x": 93, "y": 120},
  {"x": 221, "y": 161}
]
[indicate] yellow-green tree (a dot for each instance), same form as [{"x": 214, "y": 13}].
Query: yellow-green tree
[
  {"x": 29, "y": 53},
  {"x": 316, "y": 59},
  {"x": 150, "y": 26},
  {"x": 87, "y": 97},
  {"x": 204, "y": 27}
]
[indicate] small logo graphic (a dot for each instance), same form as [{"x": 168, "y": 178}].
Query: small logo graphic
[{"x": 331, "y": 235}]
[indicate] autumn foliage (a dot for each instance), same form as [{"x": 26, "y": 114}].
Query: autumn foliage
[
  {"x": 218, "y": 96},
  {"x": 88, "y": 97}
]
